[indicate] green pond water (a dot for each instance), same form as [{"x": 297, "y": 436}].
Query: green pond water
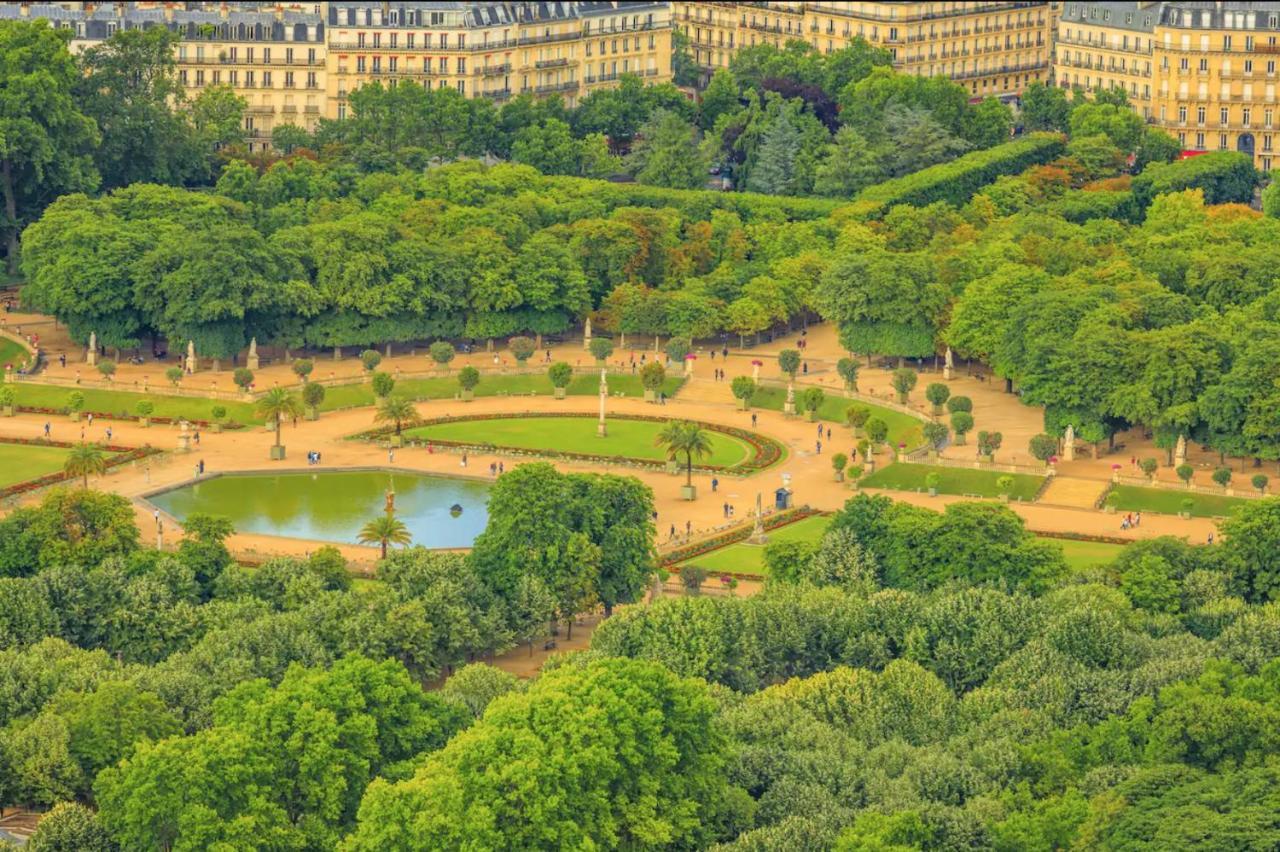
[{"x": 333, "y": 506}]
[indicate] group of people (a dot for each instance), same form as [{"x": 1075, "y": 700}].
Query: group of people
[
  {"x": 1131, "y": 520},
  {"x": 313, "y": 457}
]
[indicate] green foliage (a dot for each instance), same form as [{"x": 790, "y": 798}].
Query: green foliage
[
  {"x": 561, "y": 374},
  {"x": 652, "y": 375},
  {"x": 313, "y": 395},
  {"x": 743, "y": 387},
  {"x": 847, "y": 368},
  {"x": 857, "y": 415},
  {"x": 877, "y": 430},
  {"x": 243, "y": 378},
  {"x": 989, "y": 443},
  {"x": 468, "y": 378},
  {"x": 937, "y": 393},
  {"x": 370, "y": 359},
  {"x": 144, "y": 408},
  {"x": 904, "y": 380},
  {"x": 601, "y": 348},
  {"x": 1222, "y": 476},
  {"x": 174, "y": 375},
  {"x": 1148, "y": 465},
  {"x": 1185, "y": 472},
  {"x": 961, "y": 423},
  {"x": 1043, "y": 447},
  {"x": 1260, "y": 482},
  {"x": 442, "y": 352},
  {"x": 70, "y": 827},
  {"x": 522, "y": 348},
  {"x": 107, "y": 368},
  {"x": 302, "y": 368},
  {"x": 958, "y": 180},
  {"x": 382, "y": 384},
  {"x": 812, "y": 398},
  {"x": 667, "y": 154},
  {"x": 1223, "y": 177},
  {"x": 935, "y": 435},
  {"x": 789, "y": 362}
]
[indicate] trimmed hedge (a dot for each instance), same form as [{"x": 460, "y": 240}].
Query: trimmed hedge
[
  {"x": 696, "y": 204},
  {"x": 957, "y": 181},
  {"x": 1079, "y": 206},
  {"x": 1225, "y": 177}
]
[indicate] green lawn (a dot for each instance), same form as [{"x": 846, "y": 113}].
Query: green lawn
[
  {"x": 1133, "y": 498},
  {"x": 22, "y": 462},
  {"x": 446, "y": 387},
  {"x": 744, "y": 558},
  {"x": 903, "y": 428},
  {"x": 953, "y": 480},
  {"x": 632, "y": 438},
  {"x": 12, "y": 353},
  {"x": 1083, "y": 554},
  {"x": 123, "y": 402}
]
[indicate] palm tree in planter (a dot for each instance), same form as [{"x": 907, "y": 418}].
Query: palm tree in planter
[
  {"x": 85, "y": 460},
  {"x": 560, "y": 374},
  {"x": 384, "y": 531},
  {"x": 312, "y": 396},
  {"x": 681, "y": 436},
  {"x": 399, "y": 411},
  {"x": 275, "y": 405},
  {"x": 468, "y": 378}
]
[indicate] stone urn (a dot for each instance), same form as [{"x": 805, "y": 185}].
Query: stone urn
[
  {"x": 561, "y": 392},
  {"x": 688, "y": 492},
  {"x": 468, "y": 395},
  {"x": 277, "y": 453},
  {"x": 650, "y": 395}
]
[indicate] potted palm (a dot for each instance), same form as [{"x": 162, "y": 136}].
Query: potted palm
[
  {"x": 681, "y": 436},
  {"x": 398, "y": 411},
  {"x": 312, "y": 396},
  {"x": 274, "y": 407},
  {"x": 932, "y": 481}
]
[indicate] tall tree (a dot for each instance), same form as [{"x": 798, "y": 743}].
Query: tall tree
[
  {"x": 130, "y": 87},
  {"x": 667, "y": 153},
  {"x": 45, "y": 139}
]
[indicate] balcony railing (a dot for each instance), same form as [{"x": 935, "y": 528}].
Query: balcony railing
[
  {"x": 550, "y": 63},
  {"x": 493, "y": 70},
  {"x": 569, "y": 86}
]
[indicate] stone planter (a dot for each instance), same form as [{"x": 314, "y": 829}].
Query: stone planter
[
  {"x": 688, "y": 492},
  {"x": 1186, "y": 516},
  {"x": 560, "y": 392},
  {"x": 987, "y": 459},
  {"x": 933, "y": 492},
  {"x": 468, "y": 395},
  {"x": 812, "y": 416},
  {"x": 313, "y": 415},
  {"x": 960, "y": 439},
  {"x": 75, "y": 416},
  {"x": 839, "y": 476},
  {"x": 1111, "y": 510},
  {"x": 650, "y": 395},
  {"x": 6, "y": 410},
  {"x": 1004, "y": 498},
  {"x": 933, "y": 455},
  {"x": 277, "y": 453},
  {"x": 146, "y": 422},
  {"x": 397, "y": 440},
  {"x": 744, "y": 405},
  {"x": 217, "y": 428}
]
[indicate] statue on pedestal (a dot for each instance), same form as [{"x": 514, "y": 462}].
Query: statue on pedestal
[
  {"x": 191, "y": 356},
  {"x": 252, "y": 362},
  {"x": 1069, "y": 444},
  {"x": 757, "y": 533},
  {"x": 1180, "y": 451},
  {"x": 91, "y": 354},
  {"x": 586, "y": 334},
  {"x": 947, "y": 365}
]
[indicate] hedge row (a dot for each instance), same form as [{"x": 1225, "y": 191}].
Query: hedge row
[
  {"x": 1225, "y": 177},
  {"x": 1079, "y": 206},
  {"x": 957, "y": 181},
  {"x": 697, "y": 204}
]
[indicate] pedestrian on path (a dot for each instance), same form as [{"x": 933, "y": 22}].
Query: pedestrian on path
[
  {"x": 46, "y": 430},
  {"x": 715, "y": 483},
  {"x": 672, "y": 535},
  {"x": 391, "y": 455},
  {"x": 688, "y": 530},
  {"x": 818, "y": 444},
  {"x": 753, "y": 420},
  {"x": 200, "y": 465}
]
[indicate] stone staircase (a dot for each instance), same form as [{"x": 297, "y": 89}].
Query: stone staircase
[
  {"x": 706, "y": 390},
  {"x": 1073, "y": 491}
]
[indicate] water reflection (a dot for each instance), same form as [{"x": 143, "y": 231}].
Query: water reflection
[{"x": 333, "y": 506}]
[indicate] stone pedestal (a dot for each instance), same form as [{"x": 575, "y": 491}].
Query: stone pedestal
[
  {"x": 688, "y": 367},
  {"x": 91, "y": 357},
  {"x": 755, "y": 372},
  {"x": 602, "y": 430},
  {"x": 184, "y": 443},
  {"x": 277, "y": 453},
  {"x": 1069, "y": 451},
  {"x": 946, "y": 374},
  {"x": 789, "y": 407},
  {"x": 252, "y": 362}
]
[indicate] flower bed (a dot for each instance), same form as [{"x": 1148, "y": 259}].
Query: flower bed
[
  {"x": 765, "y": 451},
  {"x": 106, "y": 415},
  {"x": 742, "y": 533},
  {"x": 123, "y": 455}
]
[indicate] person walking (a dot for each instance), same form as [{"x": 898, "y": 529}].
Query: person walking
[
  {"x": 46, "y": 431},
  {"x": 818, "y": 444},
  {"x": 753, "y": 420},
  {"x": 715, "y": 483},
  {"x": 688, "y": 530}
]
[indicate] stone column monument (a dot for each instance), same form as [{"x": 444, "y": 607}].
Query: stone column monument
[
  {"x": 191, "y": 356},
  {"x": 252, "y": 361},
  {"x": 757, "y": 533},
  {"x": 601, "y": 429},
  {"x": 586, "y": 334},
  {"x": 1069, "y": 444},
  {"x": 1180, "y": 451},
  {"x": 91, "y": 354}
]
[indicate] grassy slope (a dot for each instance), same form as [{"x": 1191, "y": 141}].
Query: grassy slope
[
  {"x": 903, "y": 428},
  {"x": 1132, "y": 498},
  {"x": 954, "y": 480}
]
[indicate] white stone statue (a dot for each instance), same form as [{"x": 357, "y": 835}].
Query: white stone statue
[
  {"x": 586, "y": 334},
  {"x": 947, "y": 365},
  {"x": 1069, "y": 444},
  {"x": 191, "y": 356},
  {"x": 1180, "y": 451},
  {"x": 91, "y": 354},
  {"x": 253, "y": 354}
]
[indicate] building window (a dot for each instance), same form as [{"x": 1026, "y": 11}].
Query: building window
[
  {"x": 1199, "y": 115},
  {"x": 288, "y": 79},
  {"x": 1223, "y": 115},
  {"x": 266, "y": 79},
  {"x": 1222, "y": 141},
  {"x": 1204, "y": 65},
  {"x": 1199, "y": 141},
  {"x": 1266, "y": 142},
  {"x": 1246, "y": 114},
  {"x": 360, "y": 65}
]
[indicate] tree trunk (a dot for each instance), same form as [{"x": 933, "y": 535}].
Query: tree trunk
[
  {"x": 384, "y": 548},
  {"x": 608, "y": 609},
  {"x": 11, "y": 214},
  {"x": 688, "y": 469},
  {"x": 278, "y": 423},
  {"x": 569, "y": 630}
]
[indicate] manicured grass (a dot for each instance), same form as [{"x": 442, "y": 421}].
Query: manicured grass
[
  {"x": 952, "y": 480},
  {"x": 744, "y": 558},
  {"x": 1134, "y": 498},
  {"x": 903, "y": 428},
  {"x": 1084, "y": 554},
  {"x": 123, "y": 402},
  {"x": 12, "y": 353},
  {"x": 446, "y": 387},
  {"x": 632, "y": 438},
  {"x": 23, "y": 462}
]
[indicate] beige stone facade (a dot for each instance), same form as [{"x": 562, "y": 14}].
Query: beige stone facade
[
  {"x": 990, "y": 48},
  {"x": 496, "y": 50},
  {"x": 1205, "y": 72}
]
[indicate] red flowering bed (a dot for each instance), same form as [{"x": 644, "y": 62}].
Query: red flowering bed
[
  {"x": 123, "y": 455},
  {"x": 765, "y": 451},
  {"x": 107, "y": 415},
  {"x": 742, "y": 533}
]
